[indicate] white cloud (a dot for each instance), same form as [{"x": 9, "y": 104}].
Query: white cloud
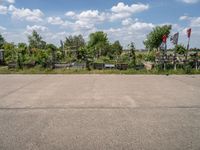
[
  {"x": 70, "y": 14},
  {"x": 55, "y": 20},
  {"x": 134, "y": 8},
  {"x": 88, "y": 15},
  {"x": 184, "y": 17},
  {"x": 34, "y": 15},
  {"x": 91, "y": 15},
  {"x": 190, "y": 1},
  {"x": 59, "y": 35},
  {"x": 121, "y": 10},
  {"x": 11, "y": 1},
  {"x": 2, "y": 28},
  {"x": 132, "y": 30},
  {"x": 37, "y": 28},
  {"x": 8, "y": 1},
  {"x": 85, "y": 20},
  {"x": 128, "y": 21},
  {"x": 3, "y": 9},
  {"x": 142, "y": 26},
  {"x": 117, "y": 16},
  {"x": 195, "y": 22},
  {"x": 79, "y": 24}
]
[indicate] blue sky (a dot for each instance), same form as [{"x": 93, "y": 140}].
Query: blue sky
[{"x": 128, "y": 20}]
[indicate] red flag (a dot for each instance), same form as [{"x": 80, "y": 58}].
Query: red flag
[
  {"x": 164, "y": 38},
  {"x": 189, "y": 31}
]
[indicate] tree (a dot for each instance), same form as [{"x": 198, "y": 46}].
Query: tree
[
  {"x": 2, "y": 41},
  {"x": 35, "y": 41},
  {"x": 43, "y": 58},
  {"x": 180, "y": 49},
  {"x": 99, "y": 43},
  {"x": 52, "y": 49},
  {"x": 74, "y": 42},
  {"x": 154, "y": 38},
  {"x": 10, "y": 52},
  {"x": 85, "y": 54},
  {"x": 115, "y": 49},
  {"x": 22, "y": 48},
  {"x": 132, "y": 54}
]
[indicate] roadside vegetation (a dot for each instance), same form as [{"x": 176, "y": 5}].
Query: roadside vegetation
[{"x": 97, "y": 56}]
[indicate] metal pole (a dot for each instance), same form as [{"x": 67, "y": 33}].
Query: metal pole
[
  {"x": 175, "y": 55},
  {"x": 175, "y": 59},
  {"x": 197, "y": 64},
  {"x": 196, "y": 61},
  {"x": 188, "y": 46},
  {"x": 165, "y": 55}
]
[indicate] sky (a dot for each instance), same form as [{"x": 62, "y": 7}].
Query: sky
[{"x": 126, "y": 21}]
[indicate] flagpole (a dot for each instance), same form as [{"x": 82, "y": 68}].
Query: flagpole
[
  {"x": 188, "y": 46},
  {"x": 165, "y": 55},
  {"x": 175, "y": 58},
  {"x": 164, "y": 38},
  {"x": 174, "y": 40},
  {"x": 175, "y": 51}
]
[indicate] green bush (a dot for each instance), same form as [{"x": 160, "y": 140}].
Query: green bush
[
  {"x": 151, "y": 56},
  {"x": 105, "y": 59},
  {"x": 43, "y": 57}
]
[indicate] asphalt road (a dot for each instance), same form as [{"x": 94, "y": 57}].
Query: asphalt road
[{"x": 103, "y": 112}]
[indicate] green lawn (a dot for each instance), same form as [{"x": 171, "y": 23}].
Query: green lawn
[{"x": 39, "y": 70}]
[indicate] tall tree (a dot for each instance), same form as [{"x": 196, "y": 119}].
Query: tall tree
[
  {"x": 10, "y": 52},
  {"x": 116, "y": 46},
  {"x": 99, "y": 43},
  {"x": 154, "y": 38},
  {"x": 74, "y": 42},
  {"x": 2, "y": 41},
  {"x": 22, "y": 48},
  {"x": 35, "y": 41},
  {"x": 132, "y": 54},
  {"x": 180, "y": 49},
  {"x": 52, "y": 49}
]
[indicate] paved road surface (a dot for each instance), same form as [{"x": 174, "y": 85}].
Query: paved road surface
[{"x": 89, "y": 112}]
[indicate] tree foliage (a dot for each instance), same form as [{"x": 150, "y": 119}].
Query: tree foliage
[
  {"x": 132, "y": 54},
  {"x": 180, "y": 49},
  {"x": 2, "y": 41},
  {"x": 74, "y": 42},
  {"x": 98, "y": 41},
  {"x": 116, "y": 49},
  {"x": 154, "y": 38},
  {"x": 10, "y": 52},
  {"x": 35, "y": 41}
]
